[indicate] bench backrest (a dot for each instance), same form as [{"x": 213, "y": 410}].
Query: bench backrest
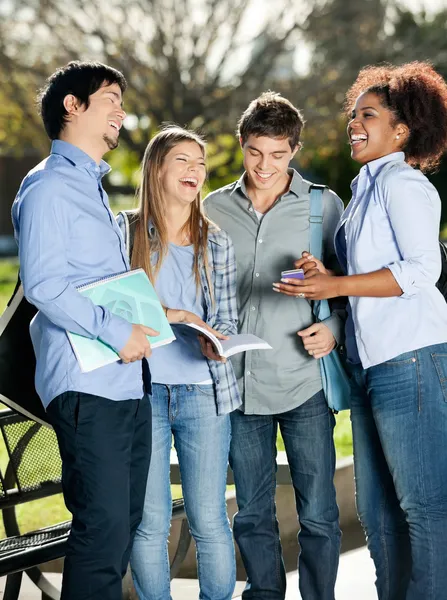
[{"x": 30, "y": 464}]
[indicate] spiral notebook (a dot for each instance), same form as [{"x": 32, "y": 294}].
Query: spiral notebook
[{"x": 131, "y": 296}]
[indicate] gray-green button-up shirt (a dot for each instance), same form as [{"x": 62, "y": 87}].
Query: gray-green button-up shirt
[{"x": 278, "y": 380}]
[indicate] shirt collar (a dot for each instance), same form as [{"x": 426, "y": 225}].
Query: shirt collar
[
  {"x": 375, "y": 165},
  {"x": 78, "y": 157},
  {"x": 294, "y": 187}
]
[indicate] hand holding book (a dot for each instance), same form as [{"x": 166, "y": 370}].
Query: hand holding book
[
  {"x": 217, "y": 346},
  {"x": 138, "y": 346},
  {"x": 185, "y": 317},
  {"x": 130, "y": 296}
]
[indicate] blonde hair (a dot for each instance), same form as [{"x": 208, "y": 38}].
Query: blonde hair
[{"x": 152, "y": 209}]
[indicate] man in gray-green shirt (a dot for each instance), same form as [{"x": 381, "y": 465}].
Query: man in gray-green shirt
[{"x": 266, "y": 213}]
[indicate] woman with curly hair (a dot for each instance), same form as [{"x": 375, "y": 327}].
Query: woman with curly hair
[{"x": 396, "y": 332}]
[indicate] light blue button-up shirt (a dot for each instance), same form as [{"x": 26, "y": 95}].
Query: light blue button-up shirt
[
  {"x": 393, "y": 222},
  {"x": 68, "y": 236},
  {"x": 182, "y": 361}
]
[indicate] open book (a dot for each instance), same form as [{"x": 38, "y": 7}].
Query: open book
[
  {"x": 131, "y": 296},
  {"x": 236, "y": 343}
]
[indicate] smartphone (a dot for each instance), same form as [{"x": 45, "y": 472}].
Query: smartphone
[{"x": 292, "y": 274}]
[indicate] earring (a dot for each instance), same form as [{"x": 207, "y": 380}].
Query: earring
[{"x": 397, "y": 137}]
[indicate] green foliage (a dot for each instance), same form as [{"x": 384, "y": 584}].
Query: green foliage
[{"x": 224, "y": 160}]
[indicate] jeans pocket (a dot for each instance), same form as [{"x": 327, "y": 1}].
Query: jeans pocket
[
  {"x": 440, "y": 362},
  {"x": 206, "y": 390}
]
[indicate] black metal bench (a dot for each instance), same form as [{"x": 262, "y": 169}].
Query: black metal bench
[{"x": 33, "y": 472}]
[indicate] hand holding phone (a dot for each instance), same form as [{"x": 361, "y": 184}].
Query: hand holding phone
[{"x": 292, "y": 274}]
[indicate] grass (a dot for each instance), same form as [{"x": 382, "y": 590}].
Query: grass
[{"x": 33, "y": 515}]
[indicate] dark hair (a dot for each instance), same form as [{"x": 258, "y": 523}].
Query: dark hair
[
  {"x": 417, "y": 96},
  {"x": 273, "y": 116},
  {"x": 82, "y": 79}
]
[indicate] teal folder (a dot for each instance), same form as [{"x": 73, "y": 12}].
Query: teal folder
[{"x": 131, "y": 296}]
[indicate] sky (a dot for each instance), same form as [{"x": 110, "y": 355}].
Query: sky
[{"x": 429, "y": 5}]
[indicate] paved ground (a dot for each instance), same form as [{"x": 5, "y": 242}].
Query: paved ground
[{"x": 355, "y": 582}]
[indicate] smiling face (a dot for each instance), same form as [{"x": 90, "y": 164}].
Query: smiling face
[
  {"x": 183, "y": 173},
  {"x": 372, "y": 130},
  {"x": 266, "y": 161},
  {"x": 107, "y": 106},
  {"x": 103, "y": 118},
  {"x": 101, "y": 121}
]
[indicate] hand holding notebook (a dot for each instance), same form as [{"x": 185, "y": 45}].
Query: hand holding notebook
[
  {"x": 138, "y": 346},
  {"x": 131, "y": 296}
]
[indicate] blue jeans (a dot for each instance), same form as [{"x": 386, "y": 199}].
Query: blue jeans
[
  {"x": 202, "y": 440},
  {"x": 399, "y": 420},
  {"x": 307, "y": 432}
]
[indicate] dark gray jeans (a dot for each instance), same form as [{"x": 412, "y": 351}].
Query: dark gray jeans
[{"x": 105, "y": 447}]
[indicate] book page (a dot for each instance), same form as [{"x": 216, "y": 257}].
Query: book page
[
  {"x": 236, "y": 343},
  {"x": 243, "y": 342}
]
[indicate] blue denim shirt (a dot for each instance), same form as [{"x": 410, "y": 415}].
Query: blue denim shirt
[
  {"x": 68, "y": 236},
  {"x": 393, "y": 222}
]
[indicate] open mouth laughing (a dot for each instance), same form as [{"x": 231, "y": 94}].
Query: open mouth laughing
[
  {"x": 357, "y": 138},
  {"x": 190, "y": 182},
  {"x": 115, "y": 125}
]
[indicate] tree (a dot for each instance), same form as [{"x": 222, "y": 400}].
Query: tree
[
  {"x": 200, "y": 62},
  {"x": 186, "y": 61},
  {"x": 344, "y": 36}
]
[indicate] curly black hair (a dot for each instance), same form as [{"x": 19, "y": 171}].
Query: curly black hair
[{"x": 417, "y": 96}]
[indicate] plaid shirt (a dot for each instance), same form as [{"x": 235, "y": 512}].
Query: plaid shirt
[{"x": 220, "y": 314}]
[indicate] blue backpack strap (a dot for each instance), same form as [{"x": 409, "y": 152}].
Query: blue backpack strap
[
  {"x": 316, "y": 220},
  {"x": 321, "y": 308}
]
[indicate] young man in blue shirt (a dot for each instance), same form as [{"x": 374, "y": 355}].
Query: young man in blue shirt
[{"x": 67, "y": 236}]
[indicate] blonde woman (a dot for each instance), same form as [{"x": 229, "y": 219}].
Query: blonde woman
[{"x": 192, "y": 264}]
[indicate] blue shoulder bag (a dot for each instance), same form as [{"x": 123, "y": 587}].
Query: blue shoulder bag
[{"x": 333, "y": 374}]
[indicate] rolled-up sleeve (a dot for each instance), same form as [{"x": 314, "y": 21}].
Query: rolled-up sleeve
[
  {"x": 414, "y": 209},
  {"x": 43, "y": 219}
]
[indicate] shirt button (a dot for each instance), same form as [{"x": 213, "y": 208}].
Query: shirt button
[
  {"x": 260, "y": 241},
  {"x": 256, "y": 274},
  {"x": 205, "y": 288},
  {"x": 248, "y": 372},
  {"x": 253, "y": 308},
  {"x": 251, "y": 209}
]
